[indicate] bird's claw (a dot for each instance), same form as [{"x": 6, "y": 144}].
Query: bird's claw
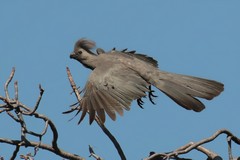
[
  {"x": 151, "y": 95},
  {"x": 140, "y": 102}
]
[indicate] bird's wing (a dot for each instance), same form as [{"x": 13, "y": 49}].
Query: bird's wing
[
  {"x": 143, "y": 57},
  {"x": 111, "y": 88},
  {"x": 140, "y": 56}
]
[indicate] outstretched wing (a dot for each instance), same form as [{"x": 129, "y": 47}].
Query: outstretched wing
[{"x": 111, "y": 88}]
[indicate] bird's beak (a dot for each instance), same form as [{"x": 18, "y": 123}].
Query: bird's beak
[{"x": 72, "y": 55}]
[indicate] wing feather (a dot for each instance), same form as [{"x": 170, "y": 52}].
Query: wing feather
[
  {"x": 91, "y": 111},
  {"x": 108, "y": 108},
  {"x": 84, "y": 110},
  {"x": 111, "y": 89}
]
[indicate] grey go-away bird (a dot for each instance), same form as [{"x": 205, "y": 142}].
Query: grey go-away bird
[{"x": 119, "y": 77}]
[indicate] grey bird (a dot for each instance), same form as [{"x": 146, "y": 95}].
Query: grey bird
[{"x": 119, "y": 77}]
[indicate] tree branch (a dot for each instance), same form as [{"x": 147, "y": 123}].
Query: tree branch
[
  {"x": 190, "y": 146},
  {"x": 111, "y": 137},
  {"x": 16, "y": 110},
  {"x": 7, "y": 83},
  {"x": 92, "y": 153},
  {"x": 60, "y": 152},
  {"x": 37, "y": 103},
  {"x": 14, "y": 155}
]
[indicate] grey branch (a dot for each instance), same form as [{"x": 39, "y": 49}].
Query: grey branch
[
  {"x": 17, "y": 111},
  {"x": 61, "y": 153},
  {"x": 93, "y": 154},
  {"x": 197, "y": 145},
  {"x": 7, "y": 83},
  {"x": 37, "y": 103}
]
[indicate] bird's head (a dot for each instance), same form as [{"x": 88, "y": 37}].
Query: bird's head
[{"x": 82, "y": 52}]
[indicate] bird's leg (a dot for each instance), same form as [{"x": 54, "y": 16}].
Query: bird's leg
[{"x": 151, "y": 95}]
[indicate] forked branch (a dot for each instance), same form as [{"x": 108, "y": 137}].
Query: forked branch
[
  {"x": 17, "y": 111},
  {"x": 198, "y": 146}
]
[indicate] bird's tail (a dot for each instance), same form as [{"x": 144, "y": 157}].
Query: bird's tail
[{"x": 184, "y": 90}]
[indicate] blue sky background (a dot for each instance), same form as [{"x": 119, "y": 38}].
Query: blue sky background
[{"x": 200, "y": 38}]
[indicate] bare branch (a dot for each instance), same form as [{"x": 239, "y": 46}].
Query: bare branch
[
  {"x": 19, "y": 114},
  {"x": 111, "y": 137},
  {"x": 12, "y": 116},
  {"x": 7, "y": 83},
  {"x": 23, "y": 126},
  {"x": 73, "y": 85},
  {"x": 26, "y": 157},
  {"x": 187, "y": 148},
  {"x": 45, "y": 128},
  {"x": 30, "y": 156},
  {"x": 92, "y": 154},
  {"x": 208, "y": 153},
  {"x": 2, "y": 105},
  {"x": 16, "y": 90},
  {"x": 14, "y": 155},
  {"x": 49, "y": 122},
  {"x": 59, "y": 152},
  {"x": 37, "y": 103},
  {"x": 4, "y": 110},
  {"x": 229, "y": 147},
  {"x": 22, "y": 110}
]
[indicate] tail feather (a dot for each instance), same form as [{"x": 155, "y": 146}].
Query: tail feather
[
  {"x": 181, "y": 98},
  {"x": 184, "y": 90}
]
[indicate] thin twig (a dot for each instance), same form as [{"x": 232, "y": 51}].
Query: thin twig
[
  {"x": 7, "y": 83},
  {"x": 12, "y": 116},
  {"x": 73, "y": 85},
  {"x": 3, "y": 106},
  {"x": 19, "y": 114},
  {"x": 16, "y": 91},
  {"x": 23, "y": 126},
  {"x": 52, "y": 126},
  {"x": 229, "y": 147},
  {"x": 26, "y": 157},
  {"x": 45, "y": 128},
  {"x": 93, "y": 154},
  {"x": 46, "y": 119},
  {"x": 37, "y": 103},
  {"x": 111, "y": 137},
  {"x": 4, "y": 110}
]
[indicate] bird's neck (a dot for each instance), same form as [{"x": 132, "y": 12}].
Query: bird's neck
[{"x": 90, "y": 62}]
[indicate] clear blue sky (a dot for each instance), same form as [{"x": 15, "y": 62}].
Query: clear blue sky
[{"x": 200, "y": 38}]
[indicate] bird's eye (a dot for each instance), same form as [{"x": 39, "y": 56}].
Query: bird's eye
[{"x": 79, "y": 52}]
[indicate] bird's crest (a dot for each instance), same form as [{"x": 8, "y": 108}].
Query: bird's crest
[{"x": 85, "y": 44}]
